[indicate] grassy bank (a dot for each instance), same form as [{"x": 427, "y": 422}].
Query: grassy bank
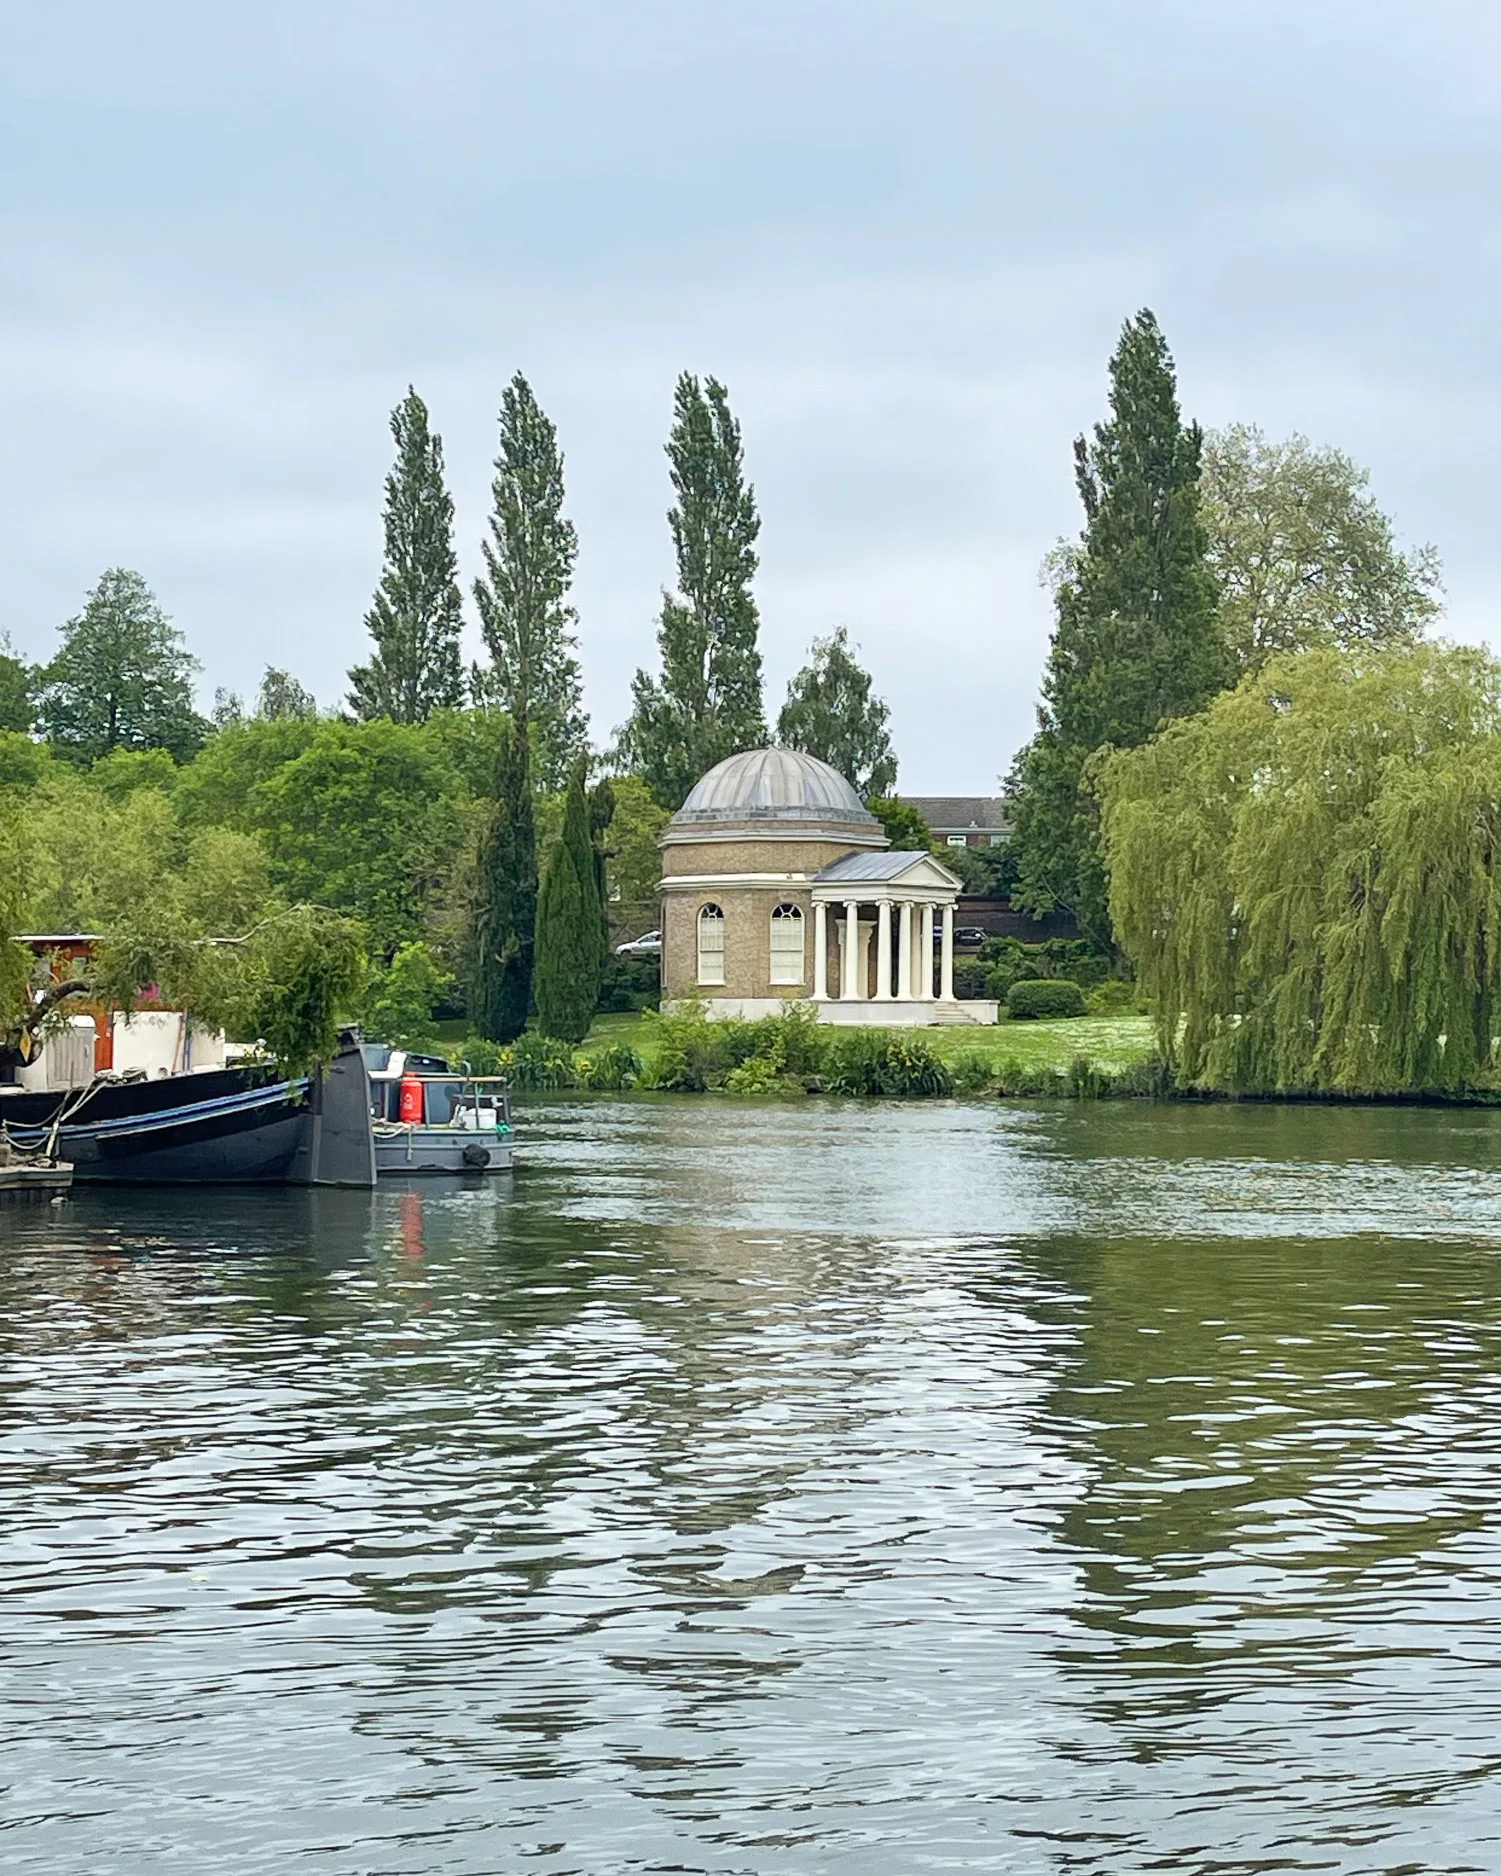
[
  {"x": 792, "y": 1055},
  {"x": 1110, "y": 1042}
]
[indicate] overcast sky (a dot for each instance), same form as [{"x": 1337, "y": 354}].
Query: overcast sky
[{"x": 904, "y": 232}]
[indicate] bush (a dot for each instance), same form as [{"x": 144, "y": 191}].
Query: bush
[
  {"x": 540, "y": 1062},
  {"x": 875, "y": 1061},
  {"x": 481, "y": 1057},
  {"x": 1044, "y": 996},
  {"x": 758, "y": 1074},
  {"x": 610, "y": 1069},
  {"x": 1114, "y": 997},
  {"x": 691, "y": 1053},
  {"x": 971, "y": 1072},
  {"x": 629, "y": 984},
  {"x": 972, "y": 978},
  {"x": 795, "y": 1037}
]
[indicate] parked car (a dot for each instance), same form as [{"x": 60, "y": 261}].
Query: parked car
[
  {"x": 648, "y": 945},
  {"x": 969, "y": 936}
]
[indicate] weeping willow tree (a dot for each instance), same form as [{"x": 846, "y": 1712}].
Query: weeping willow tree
[
  {"x": 289, "y": 983},
  {"x": 1308, "y": 874}
]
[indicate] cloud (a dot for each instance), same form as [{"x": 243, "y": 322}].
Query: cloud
[{"x": 904, "y": 234}]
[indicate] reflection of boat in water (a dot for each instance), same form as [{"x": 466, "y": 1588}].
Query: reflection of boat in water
[
  {"x": 211, "y": 1127},
  {"x": 429, "y": 1118}
]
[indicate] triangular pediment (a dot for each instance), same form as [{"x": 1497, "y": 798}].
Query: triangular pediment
[{"x": 911, "y": 870}]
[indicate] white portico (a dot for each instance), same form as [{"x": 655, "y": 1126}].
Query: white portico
[{"x": 883, "y": 935}]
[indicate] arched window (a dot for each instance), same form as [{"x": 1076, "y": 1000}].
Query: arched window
[
  {"x": 710, "y": 945},
  {"x": 787, "y": 945}
]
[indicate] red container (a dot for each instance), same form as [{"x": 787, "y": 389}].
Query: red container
[{"x": 412, "y": 1105}]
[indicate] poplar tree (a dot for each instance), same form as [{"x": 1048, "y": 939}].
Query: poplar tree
[
  {"x": 566, "y": 980},
  {"x": 1137, "y": 641},
  {"x": 417, "y": 614},
  {"x": 830, "y": 713},
  {"x": 505, "y": 914},
  {"x": 523, "y": 594},
  {"x": 706, "y": 704}
]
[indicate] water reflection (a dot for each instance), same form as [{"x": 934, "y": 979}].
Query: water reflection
[{"x": 790, "y": 1489}]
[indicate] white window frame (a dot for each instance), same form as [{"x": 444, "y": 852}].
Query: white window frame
[
  {"x": 711, "y": 955},
  {"x": 958, "y": 840},
  {"x": 785, "y": 920}
]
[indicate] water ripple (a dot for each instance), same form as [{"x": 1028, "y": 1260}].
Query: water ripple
[{"x": 815, "y": 1489}]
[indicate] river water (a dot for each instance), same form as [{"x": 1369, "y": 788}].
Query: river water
[{"x": 785, "y": 1489}]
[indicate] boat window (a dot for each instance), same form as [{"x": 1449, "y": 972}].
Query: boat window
[
  {"x": 710, "y": 945},
  {"x": 787, "y": 945},
  {"x": 441, "y": 1099}
]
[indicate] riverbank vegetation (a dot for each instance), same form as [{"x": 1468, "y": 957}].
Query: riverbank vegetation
[
  {"x": 1266, "y": 806},
  {"x": 791, "y": 1055}
]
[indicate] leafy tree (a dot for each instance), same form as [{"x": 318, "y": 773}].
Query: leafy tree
[
  {"x": 523, "y": 595},
  {"x": 905, "y": 828},
  {"x": 368, "y": 819},
  {"x": 633, "y": 862},
  {"x": 17, "y": 706},
  {"x": 707, "y": 703},
  {"x": 289, "y": 983},
  {"x": 1137, "y": 641},
  {"x": 282, "y": 699},
  {"x": 1303, "y": 555},
  {"x": 417, "y": 614},
  {"x": 503, "y": 929},
  {"x": 218, "y": 788},
  {"x": 122, "y": 677},
  {"x": 830, "y": 713},
  {"x": 229, "y": 707},
  {"x": 402, "y": 997},
  {"x": 1308, "y": 874},
  {"x": 566, "y": 981}
]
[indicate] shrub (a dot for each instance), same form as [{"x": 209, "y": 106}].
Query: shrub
[
  {"x": 875, "y": 1061},
  {"x": 971, "y": 1072},
  {"x": 1045, "y": 996},
  {"x": 1114, "y": 997},
  {"x": 541, "y": 1062},
  {"x": 758, "y": 1074},
  {"x": 482, "y": 1057},
  {"x": 609, "y": 1069},
  {"x": 691, "y": 1053},
  {"x": 628, "y": 984},
  {"x": 795, "y": 1036},
  {"x": 972, "y": 978}
]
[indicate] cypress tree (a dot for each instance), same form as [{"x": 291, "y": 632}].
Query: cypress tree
[
  {"x": 706, "y": 704},
  {"x": 523, "y": 595},
  {"x": 1137, "y": 640},
  {"x": 567, "y": 974},
  {"x": 417, "y": 613},
  {"x": 601, "y": 814},
  {"x": 505, "y": 914}
]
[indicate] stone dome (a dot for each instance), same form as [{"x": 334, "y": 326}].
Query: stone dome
[{"x": 774, "y": 785}]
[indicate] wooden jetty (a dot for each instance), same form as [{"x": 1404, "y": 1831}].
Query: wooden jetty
[{"x": 31, "y": 1175}]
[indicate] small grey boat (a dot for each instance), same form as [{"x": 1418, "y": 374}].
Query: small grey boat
[{"x": 429, "y": 1118}]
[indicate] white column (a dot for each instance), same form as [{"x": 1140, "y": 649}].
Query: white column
[
  {"x": 925, "y": 955},
  {"x": 946, "y": 964},
  {"x": 850, "y": 987},
  {"x": 820, "y": 952},
  {"x": 904, "y": 955},
  {"x": 883, "y": 951}
]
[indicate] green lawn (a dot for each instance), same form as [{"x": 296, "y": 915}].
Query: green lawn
[{"x": 1108, "y": 1041}]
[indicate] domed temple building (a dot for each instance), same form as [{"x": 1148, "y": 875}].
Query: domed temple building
[{"x": 779, "y": 884}]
